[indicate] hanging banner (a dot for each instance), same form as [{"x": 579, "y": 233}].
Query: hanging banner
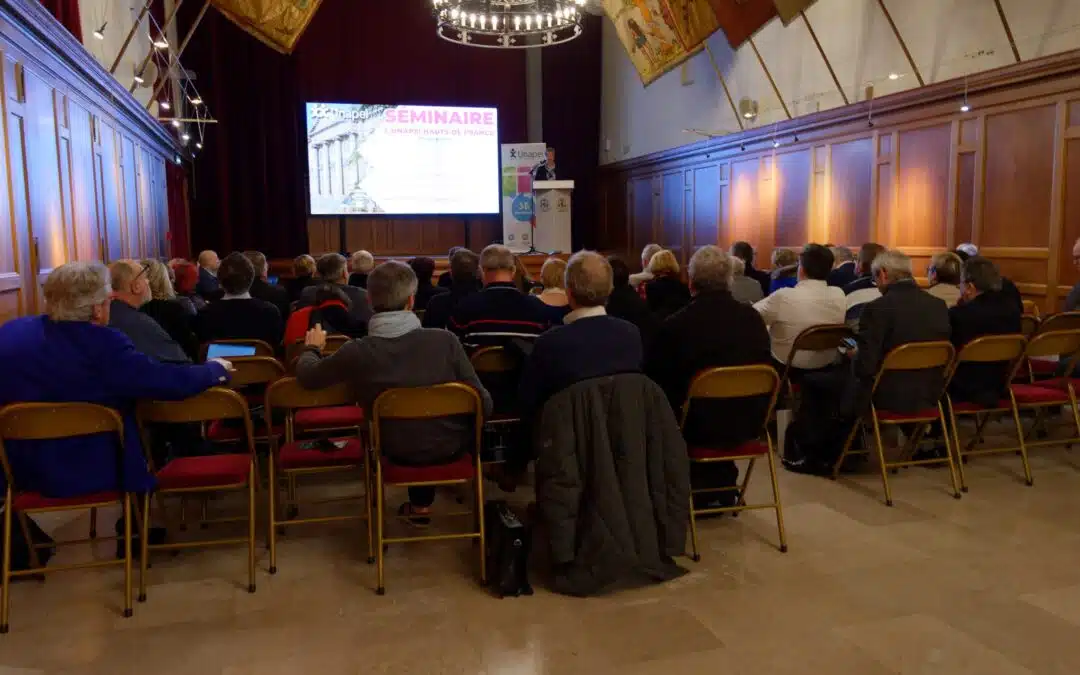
[
  {"x": 658, "y": 35},
  {"x": 790, "y": 10},
  {"x": 739, "y": 20},
  {"x": 518, "y": 161},
  {"x": 276, "y": 23}
]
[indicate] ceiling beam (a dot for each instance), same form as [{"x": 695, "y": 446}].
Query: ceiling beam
[
  {"x": 832, "y": 73},
  {"x": 772, "y": 82},
  {"x": 900, "y": 39},
  {"x": 1008, "y": 31}
]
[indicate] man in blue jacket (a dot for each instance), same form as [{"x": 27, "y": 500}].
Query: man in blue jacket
[{"x": 70, "y": 355}]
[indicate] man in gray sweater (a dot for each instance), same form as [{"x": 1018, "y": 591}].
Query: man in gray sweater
[{"x": 397, "y": 352}]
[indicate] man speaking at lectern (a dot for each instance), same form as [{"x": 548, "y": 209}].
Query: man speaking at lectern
[{"x": 545, "y": 170}]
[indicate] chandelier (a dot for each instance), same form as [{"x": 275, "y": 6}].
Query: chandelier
[{"x": 508, "y": 24}]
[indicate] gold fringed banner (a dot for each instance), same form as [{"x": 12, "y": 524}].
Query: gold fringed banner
[
  {"x": 658, "y": 35},
  {"x": 277, "y": 23}
]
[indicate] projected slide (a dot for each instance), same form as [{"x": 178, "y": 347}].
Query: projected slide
[{"x": 402, "y": 160}]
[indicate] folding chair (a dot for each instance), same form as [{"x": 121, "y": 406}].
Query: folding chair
[
  {"x": 1047, "y": 367},
  {"x": 51, "y": 421},
  {"x": 419, "y": 403},
  {"x": 293, "y": 351},
  {"x": 1029, "y": 325},
  {"x": 1048, "y": 394},
  {"x": 728, "y": 383},
  {"x": 292, "y": 459},
  {"x": 906, "y": 358},
  {"x": 330, "y": 419},
  {"x": 497, "y": 366},
  {"x": 261, "y": 348},
  {"x": 1003, "y": 349},
  {"x": 251, "y": 377},
  {"x": 184, "y": 476},
  {"x": 826, "y": 337},
  {"x": 1030, "y": 308}
]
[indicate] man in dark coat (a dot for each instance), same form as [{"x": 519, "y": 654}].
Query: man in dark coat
[
  {"x": 625, "y": 303},
  {"x": 846, "y": 269},
  {"x": 612, "y": 484},
  {"x": 745, "y": 252},
  {"x": 261, "y": 289}
]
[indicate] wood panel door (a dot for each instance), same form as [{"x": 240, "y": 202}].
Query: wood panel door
[
  {"x": 673, "y": 215},
  {"x": 16, "y": 278},
  {"x": 106, "y": 177},
  {"x": 642, "y": 214}
]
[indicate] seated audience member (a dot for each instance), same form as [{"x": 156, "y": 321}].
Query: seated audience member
[
  {"x": 590, "y": 344},
  {"x": 388, "y": 358},
  {"x": 638, "y": 280},
  {"x": 745, "y": 252},
  {"x": 238, "y": 316},
  {"x": 522, "y": 278},
  {"x": 666, "y": 293},
  {"x": 303, "y": 276},
  {"x": 446, "y": 279},
  {"x": 500, "y": 312},
  {"x": 187, "y": 276},
  {"x": 785, "y": 273},
  {"x": 944, "y": 277},
  {"x": 554, "y": 294},
  {"x": 262, "y": 289},
  {"x": 1008, "y": 288},
  {"x": 330, "y": 310},
  {"x": 844, "y": 270},
  {"x": 424, "y": 269},
  {"x": 715, "y": 330},
  {"x": 333, "y": 269},
  {"x": 743, "y": 288},
  {"x": 624, "y": 302},
  {"x": 208, "y": 286},
  {"x": 69, "y": 355},
  {"x": 360, "y": 265},
  {"x": 1072, "y": 301},
  {"x": 863, "y": 289},
  {"x": 464, "y": 266},
  {"x": 130, "y": 291},
  {"x": 812, "y": 302},
  {"x": 164, "y": 308},
  {"x": 983, "y": 310},
  {"x": 833, "y": 400}
]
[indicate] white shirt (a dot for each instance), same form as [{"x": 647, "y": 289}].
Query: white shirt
[
  {"x": 790, "y": 311},
  {"x": 584, "y": 313}
]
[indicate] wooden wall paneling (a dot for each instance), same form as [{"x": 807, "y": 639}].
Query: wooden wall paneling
[
  {"x": 672, "y": 214},
  {"x": 1057, "y": 205},
  {"x": 14, "y": 246},
  {"x": 84, "y": 217},
  {"x": 705, "y": 193},
  {"x": 922, "y": 182},
  {"x": 48, "y": 239},
  {"x": 1017, "y": 193},
  {"x": 482, "y": 231},
  {"x": 322, "y": 235},
  {"x": 111, "y": 214},
  {"x": 819, "y": 195},
  {"x": 966, "y": 197},
  {"x": 850, "y": 184},
  {"x": 642, "y": 215},
  {"x": 1067, "y": 267},
  {"x": 723, "y": 224},
  {"x": 745, "y": 221},
  {"x": 128, "y": 197},
  {"x": 64, "y": 160}
]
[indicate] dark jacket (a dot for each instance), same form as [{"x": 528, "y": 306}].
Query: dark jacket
[
  {"x": 173, "y": 316},
  {"x": 760, "y": 276},
  {"x": 612, "y": 484},
  {"x": 843, "y": 275},
  {"x": 424, "y": 294},
  {"x": 991, "y": 313},
  {"x": 625, "y": 303},
  {"x": 440, "y": 307},
  {"x": 374, "y": 364},
  {"x": 272, "y": 293},
  {"x": 146, "y": 334},
  {"x": 496, "y": 315},
  {"x": 715, "y": 330},
  {"x": 240, "y": 319},
  {"x": 75, "y": 361},
  {"x": 295, "y": 286},
  {"x": 587, "y": 348},
  {"x": 359, "y": 307},
  {"x": 207, "y": 285},
  {"x": 859, "y": 284},
  {"x": 904, "y": 313},
  {"x": 358, "y": 279},
  {"x": 666, "y": 295}
]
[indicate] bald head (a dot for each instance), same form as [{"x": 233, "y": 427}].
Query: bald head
[
  {"x": 588, "y": 279},
  {"x": 208, "y": 260},
  {"x": 129, "y": 282}
]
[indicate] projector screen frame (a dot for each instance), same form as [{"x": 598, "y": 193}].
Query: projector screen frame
[{"x": 496, "y": 182}]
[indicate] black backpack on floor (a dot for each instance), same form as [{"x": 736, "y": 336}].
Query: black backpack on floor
[{"x": 508, "y": 544}]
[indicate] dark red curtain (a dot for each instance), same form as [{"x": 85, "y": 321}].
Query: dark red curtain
[
  {"x": 67, "y": 13},
  {"x": 179, "y": 227},
  {"x": 248, "y": 185}
]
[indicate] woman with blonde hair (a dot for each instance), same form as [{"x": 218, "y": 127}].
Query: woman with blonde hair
[
  {"x": 553, "y": 295},
  {"x": 785, "y": 272},
  {"x": 170, "y": 312},
  {"x": 303, "y": 276},
  {"x": 666, "y": 293}
]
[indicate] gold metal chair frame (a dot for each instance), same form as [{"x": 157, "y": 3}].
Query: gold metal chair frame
[
  {"x": 214, "y": 403},
  {"x": 442, "y": 400},
  {"x": 292, "y": 352},
  {"x": 1008, "y": 349},
  {"x": 287, "y": 394},
  {"x": 261, "y": 348},
  {"x": 820, "y": 338},
  {"x": 728, "y": 383},
  {"x": 48, "y": 421},
  {"x": 1031, "y": 308},
  {"x": 495, "y": 360},
  {"x": 906, "y": 357}
]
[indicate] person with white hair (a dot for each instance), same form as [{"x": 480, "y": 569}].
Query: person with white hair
[
  {"x": 396, "y": 353},
  {"x": 844, "y": 269},
  {"x": 130, "y": 293},
  {"x": 208, "y": 284},
  {"x": 645, "y": 275},
  {"x": 714, "y": 330},
  {"x": 360, "y": 264},
  {"x": 69, "y": 354},
  {"x": 743, "y": 288},
  {"x": 832, "y": 401}
]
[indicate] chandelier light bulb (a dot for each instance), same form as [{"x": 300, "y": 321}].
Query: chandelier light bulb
[
  {"x": 161, "y": 43},
  {"x": 139, "y": 78},
  {"x": 176, "y": 124},
  {"x": 195, "y": 100},
  {"x": 507, "y": 24},
  {"x": 100, "y": 32},
  {"x": 894, "y": 76},
  {"x": 185, "y": 137},
  {"x": 776, "y": 144},
  {"x": 965, "y": 108},
  {"x": 198, "y": 145},
  {"x": 495, "y": 21},
  {"x": 165, "y": 105}
]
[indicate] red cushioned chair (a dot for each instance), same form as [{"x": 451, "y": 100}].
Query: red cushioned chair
[
  {"x": 48, "y": 421},
  {"x": 936, "y": 356},
  {"x": 1049, "y": 394},
  {"x": 727, "y": 383},
  {"x": 1046, "y": 367},
  {"x": 1007, "y": 350},
  {"x": 293, "y": 458},
  {"x": 328, "y": 419},
  {"x": 418, "y": 403},
  {"x": 184, "y": 476},
  {"x": 823, "y": 338}
]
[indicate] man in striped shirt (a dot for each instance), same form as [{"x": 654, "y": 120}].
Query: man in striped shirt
[{"x": 500, "y": 312}]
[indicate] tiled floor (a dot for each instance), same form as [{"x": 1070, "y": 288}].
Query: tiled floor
[{"x": 986, "y": 585}]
